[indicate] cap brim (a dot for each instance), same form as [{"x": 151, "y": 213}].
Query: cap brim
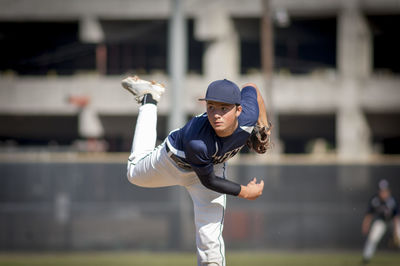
[{"x": 214, "y": 100}]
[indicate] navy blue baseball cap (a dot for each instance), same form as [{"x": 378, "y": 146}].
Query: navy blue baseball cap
[
  {"x": 383, "y": 184},
  {"x": 224, "y": 91}
]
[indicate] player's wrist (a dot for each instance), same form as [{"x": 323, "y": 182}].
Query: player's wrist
[{"x": 244, "y": 193}]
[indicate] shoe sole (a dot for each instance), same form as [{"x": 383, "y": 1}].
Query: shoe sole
[{"x": 144, "y": 86}]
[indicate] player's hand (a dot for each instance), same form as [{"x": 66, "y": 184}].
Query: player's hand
[{"x": 252, "y": 190}]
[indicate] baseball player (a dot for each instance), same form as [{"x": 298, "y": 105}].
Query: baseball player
[
  {"x": 382, "y": 211},
  {"x": 195, "y": 155}
]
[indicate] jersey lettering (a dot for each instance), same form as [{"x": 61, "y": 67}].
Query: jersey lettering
[{"x": 226, "y": 156}]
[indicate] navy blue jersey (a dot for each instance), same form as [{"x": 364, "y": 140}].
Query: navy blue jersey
[
  {"x": 383, "y": 209},
  {"x": 198, "y": 146}
]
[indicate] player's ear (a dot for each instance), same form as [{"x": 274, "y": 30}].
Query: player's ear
[{"x": 238, "y": 110}]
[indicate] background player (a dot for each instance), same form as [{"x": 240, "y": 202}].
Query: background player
[
  {"x": 194, "y": 156},
  {"x": 382, "y": 212}
]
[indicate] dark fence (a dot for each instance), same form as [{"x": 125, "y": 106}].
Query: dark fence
[{"x": 77, "y": 206}]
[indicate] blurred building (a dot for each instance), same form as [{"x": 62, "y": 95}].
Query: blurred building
[{"x": 335, "y": 86}]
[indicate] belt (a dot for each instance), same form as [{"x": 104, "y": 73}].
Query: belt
[{"x": 178, "y": 161}]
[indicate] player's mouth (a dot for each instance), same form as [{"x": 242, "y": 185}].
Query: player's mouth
[{"x": 218, "y": 123}]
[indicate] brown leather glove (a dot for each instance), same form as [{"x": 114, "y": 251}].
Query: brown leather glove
[{"x": 260, "y": 139}]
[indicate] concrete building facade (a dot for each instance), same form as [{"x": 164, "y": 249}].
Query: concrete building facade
[{"x": 357, "y": 104}]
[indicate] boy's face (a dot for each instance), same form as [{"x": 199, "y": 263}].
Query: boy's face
[
  {"x": 384, "y": 194},
  {"x": 223, "y": 117}
]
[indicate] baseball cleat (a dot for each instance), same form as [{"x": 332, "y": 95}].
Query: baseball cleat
[{"x": 139, "y": 87}]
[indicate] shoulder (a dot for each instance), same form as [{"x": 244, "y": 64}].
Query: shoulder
[
  {"x": 196, "y": 146},
  {"x": 200, "y": 119},
  {"x": 249, "y": 93},
  {"x": 198, "y": 152},
  {"x": 197, "y": 125},
  {"x": 249, "y": 104},
  {"x": 391, "y": 202}
]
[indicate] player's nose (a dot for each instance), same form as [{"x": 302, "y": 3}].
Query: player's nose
[
  {"x": 217, "y": 117},
  {"x": 215, "y": 114},
  {"x": 218, "y": 113}
]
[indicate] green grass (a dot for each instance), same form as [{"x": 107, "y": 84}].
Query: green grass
[{"x": 185, "y": 259}]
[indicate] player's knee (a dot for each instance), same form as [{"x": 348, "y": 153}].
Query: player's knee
[
  {"x": 136, "y": 179},
  {"x": 133, "y": 180},
  {"x": 130, "y": 175}
]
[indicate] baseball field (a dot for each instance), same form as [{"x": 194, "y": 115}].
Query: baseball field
[{"x": 185, "y": 259}]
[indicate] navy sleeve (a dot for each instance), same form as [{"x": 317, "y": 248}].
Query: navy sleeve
[
  {"x": 250, "y": 110},
  {"x": 218, "y": 184},
  {"x": 196, "y": 154}
]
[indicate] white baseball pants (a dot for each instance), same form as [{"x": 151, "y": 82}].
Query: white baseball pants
[
  {"x": 152, "y": 167},
  {"x": 375, "y": 234}
]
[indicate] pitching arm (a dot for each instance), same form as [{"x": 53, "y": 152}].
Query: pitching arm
[{"x": 262, "y": 115}]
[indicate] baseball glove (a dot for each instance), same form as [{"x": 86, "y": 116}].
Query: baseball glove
[{"x": 260, "y": 139}]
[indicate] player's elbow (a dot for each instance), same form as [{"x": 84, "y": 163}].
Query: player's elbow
[{"x": 207, "y": 182}]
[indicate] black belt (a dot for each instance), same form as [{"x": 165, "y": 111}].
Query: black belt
[{"x": 178, "y": 161}]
